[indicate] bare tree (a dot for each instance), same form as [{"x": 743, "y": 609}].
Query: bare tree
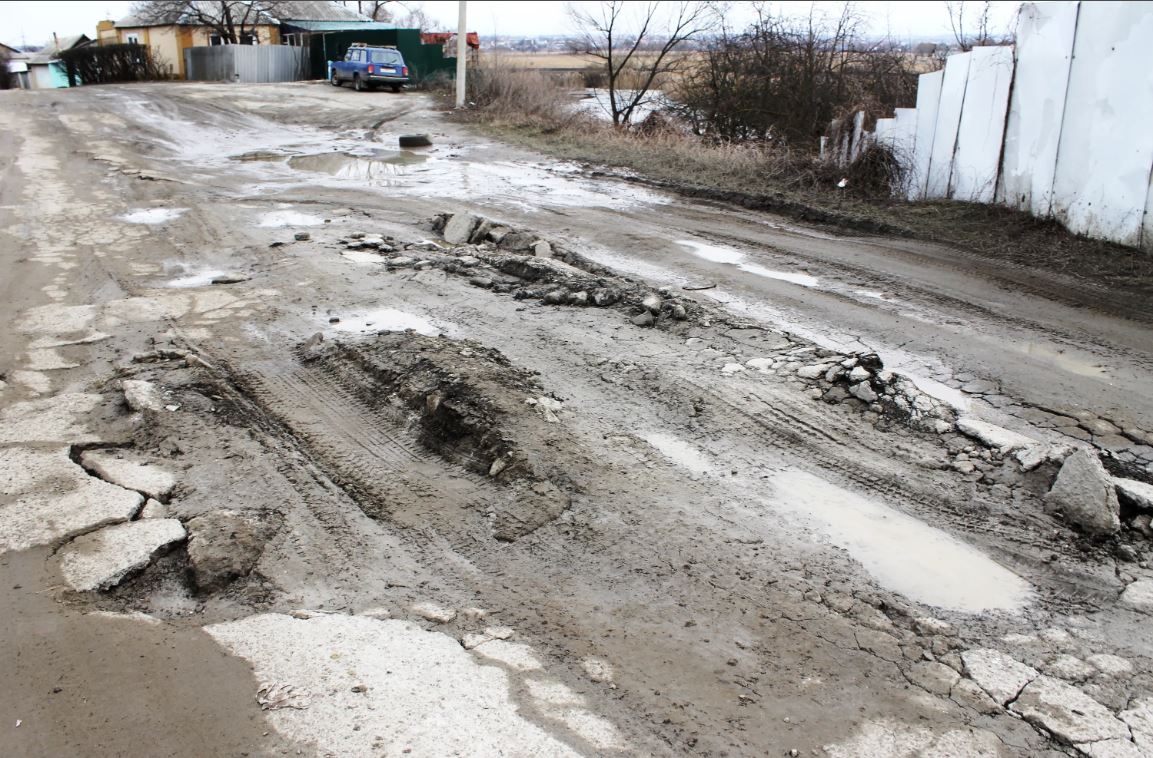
[
  {"x": 233, "y": 21},
  {"x": 406, "y": 15},
  {"x": 971, "y": 26},
  {"x": 782, "y": 80},
  {"x": 603, "y": 34}
]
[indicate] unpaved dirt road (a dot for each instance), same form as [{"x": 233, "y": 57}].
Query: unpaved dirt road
[{"x": 309, "y": 445}]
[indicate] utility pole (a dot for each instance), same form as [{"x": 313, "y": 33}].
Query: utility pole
[{"x": 461, "y": 55}]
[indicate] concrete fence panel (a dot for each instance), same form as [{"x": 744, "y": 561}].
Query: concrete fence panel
[
  {"x": 928, "y": 100},
  {"x": 1101, "y": 184},
  {"x": 981, "y": 129},
  {"x": 948, "y": 121},
  {"x": 1037, "y": 108}
]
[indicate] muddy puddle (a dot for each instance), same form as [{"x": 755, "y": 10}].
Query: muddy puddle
[
  {"x": 377, "y": 166},
  {"x": 281, "y": 218},
  {"x": 901, "y": 553},
  {"x": 679, "y": 452},
  {"x": 727, "y": 255},
  {"x": 152, "y": 215},
  {"x": 390, "y": 320}
]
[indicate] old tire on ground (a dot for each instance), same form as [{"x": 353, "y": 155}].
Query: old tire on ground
[
  {"x": 357, "y": 83},
  {"x": 335, "y": 81},
  {"x": 415, "y": 140}
]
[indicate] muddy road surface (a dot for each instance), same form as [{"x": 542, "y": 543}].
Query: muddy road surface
[{"x": 310, "y": 445}]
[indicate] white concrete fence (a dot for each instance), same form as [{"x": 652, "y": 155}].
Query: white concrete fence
[{"x": 1060, "y": 127}]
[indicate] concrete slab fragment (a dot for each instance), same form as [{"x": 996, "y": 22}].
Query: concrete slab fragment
[
  {"x": 1138, "y": 493},
  {"x": 58, "y": 419},
  {"x": 1067, "y": 712},
  {"x": 998, "y": 674},
  {"x": 994, "y": 436},
  {"x": 420, "y": 690},
  {"x": 46, "y": 498},
  {"x": 100, "y": 560},
  {"x": 130, "y": 473}
]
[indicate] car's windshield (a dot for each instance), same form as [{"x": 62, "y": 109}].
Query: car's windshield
[{"x": 384, "y": 56}]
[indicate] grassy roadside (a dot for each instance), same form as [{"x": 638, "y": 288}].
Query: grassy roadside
[{"x": 800, "y": 188}]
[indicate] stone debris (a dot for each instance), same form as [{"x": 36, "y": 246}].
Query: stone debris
[
  {"x": 102, "y": 559},
  {"x": 376, "y": 613},
  {"x": 598, "y": 670},
  {"x": 1033, "y": 456},
  {"x": 1139, "y": 717},
  {"x": 142, "y": 396},
  {"x": 230, "y": 278},
  {"x": 434, "y": 613},
  {"x": 153, "y": 509},
  {"x": 459, "y": 228},
  {"x": 1069, "y": 668},
  {"x": 998, "y": 674},
  {"x": 1084, "y": 493},
  {"x": 499, "y": 632},
  {"x": 223, "y": 545},
  {"x": 993, "y": 436},
  {"x": 1139, "y": 595},
  {"x": 1138, "y": 494},
  {"x": 515, "y": 655},
  {"x": 275, "y": 695},
  {"x": 46, "y": 498},
  {"x": 1067, "y": 712},
  {"x": 1110, "y": 665},
  {"x": 151, "y": 481}
]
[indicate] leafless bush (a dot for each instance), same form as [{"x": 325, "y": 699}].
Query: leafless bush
[
  {"x": 104, "y": 64},
  {"x": 785, "y": 80},
  {"x": 522, "y": 96}
]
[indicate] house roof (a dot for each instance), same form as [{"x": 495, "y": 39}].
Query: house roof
[
  {"x": 341, "y": 26},
  {"x": 282, "y": 11},
  {"x": 314, "y": 10}
]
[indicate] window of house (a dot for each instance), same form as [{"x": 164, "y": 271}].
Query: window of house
[
  {"x": 132, "y": 39},
  {"x": 248, "y": 38},
  {"x": 215, "y": 39}
]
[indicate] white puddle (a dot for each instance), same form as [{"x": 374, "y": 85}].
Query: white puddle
[
  {"x": 678, "y": 451},
  {"x": 389, "y": 320},
  {"x": 153, "y": 215},
  {"x": 901, "y": 553},
  {"x": 289, "y": 218},
  {"x": 720, "y": 254},
  {"x": 200, "y": 279}
]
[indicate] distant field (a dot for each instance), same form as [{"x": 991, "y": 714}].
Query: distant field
[{"x": 555, "y": 61}]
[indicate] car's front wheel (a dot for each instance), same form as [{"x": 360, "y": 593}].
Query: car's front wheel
[
  {"x": 334, "y": 79},
  {"x": 396, "y": 88}
]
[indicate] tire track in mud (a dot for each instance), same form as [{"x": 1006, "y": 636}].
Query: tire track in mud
[
  {"x": 389, "y": 476},
  {"x": 777, "y": 427}
]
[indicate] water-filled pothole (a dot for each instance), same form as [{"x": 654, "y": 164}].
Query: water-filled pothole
[
  {"x": 906, "y": 555},
  {"x": 374, "y": 166}
]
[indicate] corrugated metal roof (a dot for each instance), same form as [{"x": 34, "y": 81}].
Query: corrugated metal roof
[
  {"x": 289, "y": 11},
  {"x": 341, "y": 26}
]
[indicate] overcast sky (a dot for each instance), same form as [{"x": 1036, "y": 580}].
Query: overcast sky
[{"x": 35, "y": 22}]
